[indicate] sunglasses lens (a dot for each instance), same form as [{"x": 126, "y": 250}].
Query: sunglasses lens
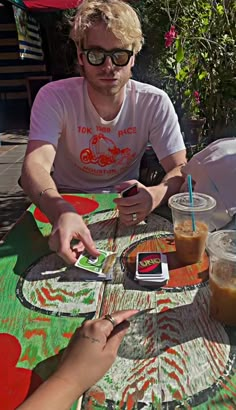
[
  {"x": 118, "y": 57},
  {"x": 121, "y": 57},
  {"x": 95, "y": 57}
]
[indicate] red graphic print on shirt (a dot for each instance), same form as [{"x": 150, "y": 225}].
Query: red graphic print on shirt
[{"x": 103, "y": 151}]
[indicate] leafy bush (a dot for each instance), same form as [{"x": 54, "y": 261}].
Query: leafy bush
[{"x": 190, "y": 53}]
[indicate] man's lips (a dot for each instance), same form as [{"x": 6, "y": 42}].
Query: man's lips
[{"x": 108, "y": 79}]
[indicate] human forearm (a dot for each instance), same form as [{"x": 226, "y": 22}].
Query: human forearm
[
  {"x": 66, "y": 223},
  {"x": 170, "y": 185},
  {"x": 36, "y": 179},
  {"x": 54, "y": 394}
]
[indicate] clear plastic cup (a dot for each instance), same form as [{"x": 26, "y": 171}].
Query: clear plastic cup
[
  {"x": 190, "y": 245},
  {"x": 221, "y": 246}
]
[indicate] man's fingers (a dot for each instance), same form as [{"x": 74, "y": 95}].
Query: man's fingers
[
  {"x": 89, "y": 244},
  {"x": 127, "y": 202},
  {"x": 60, "y": 242},
  {"x": 125, "y": 185},
  {"x": 68, "y": 256},
  {"x": 52, "y": 241},
  {"x": 78, "y": 248},
  {"x": 63, "y": 249},
  {"x": 131, "y": 220}
]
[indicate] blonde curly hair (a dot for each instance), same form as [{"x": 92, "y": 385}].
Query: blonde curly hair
[{"x": 119, "y": 17}]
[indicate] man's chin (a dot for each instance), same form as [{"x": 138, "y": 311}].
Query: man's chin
[{"x": 107, "y": 89}]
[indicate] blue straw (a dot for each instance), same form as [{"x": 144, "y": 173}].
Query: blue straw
[{"x": 190, "y": 191}]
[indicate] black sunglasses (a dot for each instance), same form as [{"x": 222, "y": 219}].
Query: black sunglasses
[{"x": 97, "y": 56}]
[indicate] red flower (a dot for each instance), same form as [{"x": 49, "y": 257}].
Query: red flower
[
  {"x": 170, "y": 36},
  {"x": 197, "y": 97}
]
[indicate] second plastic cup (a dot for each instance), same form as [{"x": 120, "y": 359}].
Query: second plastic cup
[
  {"x": 221, "y": 247},
  {"x": 190, "y": 244}
]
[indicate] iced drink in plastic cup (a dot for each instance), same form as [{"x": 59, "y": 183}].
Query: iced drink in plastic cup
[
  {"x": 190, "y": 244},
  {"x": 221, "y": 246}
]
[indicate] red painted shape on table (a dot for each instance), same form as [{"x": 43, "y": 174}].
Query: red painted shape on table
[
  {"x": 47, "y": 294},
  {"x": 36, "y": 332},
  {"x": 82, "y": 205},
  {"x": 67, "y": 335},
  {"x": 163, "y": 301},
  {"x": 95, "y": 396},
  {"x": 16, "y": 383},
  {"x": 63, "y": 291},
  {"x": 42, "y": 319},
  {"x": 40, "y": 298},
  {"x": 130, "y": 402},
  {"x": 180, "y": 275}
]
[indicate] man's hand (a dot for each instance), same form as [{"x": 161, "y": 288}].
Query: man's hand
[
  {"x": 68, "y": 226},
  {"x": 140, "y": 204},
  {"x": 134, "y": 209}
]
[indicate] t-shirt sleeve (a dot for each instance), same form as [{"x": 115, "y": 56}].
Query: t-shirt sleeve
[
  {"x": 165, "y": 134},
  {"x": 46, "y": 121}
]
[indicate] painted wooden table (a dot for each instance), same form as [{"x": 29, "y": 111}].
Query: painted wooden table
[{"x": 174, "y": 357}]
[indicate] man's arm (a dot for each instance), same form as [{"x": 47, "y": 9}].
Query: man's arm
[
  {"x": 172, "y": 181},
  {"x": 36, "y": 177},
  {"x": 67, "y": 224}
]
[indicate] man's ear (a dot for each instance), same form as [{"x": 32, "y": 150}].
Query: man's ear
[
  {"x": 132, "y": 60},
  {"x": 79, "y": 55}
]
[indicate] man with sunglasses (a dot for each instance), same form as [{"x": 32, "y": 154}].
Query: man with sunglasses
[{"x": 94, "y": 129}]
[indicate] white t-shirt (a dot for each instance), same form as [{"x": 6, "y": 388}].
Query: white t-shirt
[{"x": 93, "y": 154}]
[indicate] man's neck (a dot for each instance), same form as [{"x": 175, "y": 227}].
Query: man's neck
[{"x": 107, "y": 106}]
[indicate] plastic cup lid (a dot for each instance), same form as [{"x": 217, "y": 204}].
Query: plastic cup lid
[
  {"x": 201, "y": 202},
  {"x": 222, "y": 244}
]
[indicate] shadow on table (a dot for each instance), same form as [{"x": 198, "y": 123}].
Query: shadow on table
[
  {"x": 154, "y": 333},
  {"x": 99, "y": 230},
  {"x": 46, "y": 367},
  {"x": 42, "y": 371},
  {"x": 11, "y": 208},
  {"x": 26, "y": 242}
]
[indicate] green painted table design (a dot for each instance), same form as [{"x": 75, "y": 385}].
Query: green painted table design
[
  {"x": 174, "y": 357},
  {"x": 39, "y": 313}
]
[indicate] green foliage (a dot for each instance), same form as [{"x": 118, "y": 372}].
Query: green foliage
[{"x": 200, "y": 59}]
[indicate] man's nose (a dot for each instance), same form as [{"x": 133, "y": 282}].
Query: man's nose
[{"x": 108, "y": 63}]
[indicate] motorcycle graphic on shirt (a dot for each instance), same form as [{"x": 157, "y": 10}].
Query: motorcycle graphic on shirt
[{"x": 103, "y": 151}]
